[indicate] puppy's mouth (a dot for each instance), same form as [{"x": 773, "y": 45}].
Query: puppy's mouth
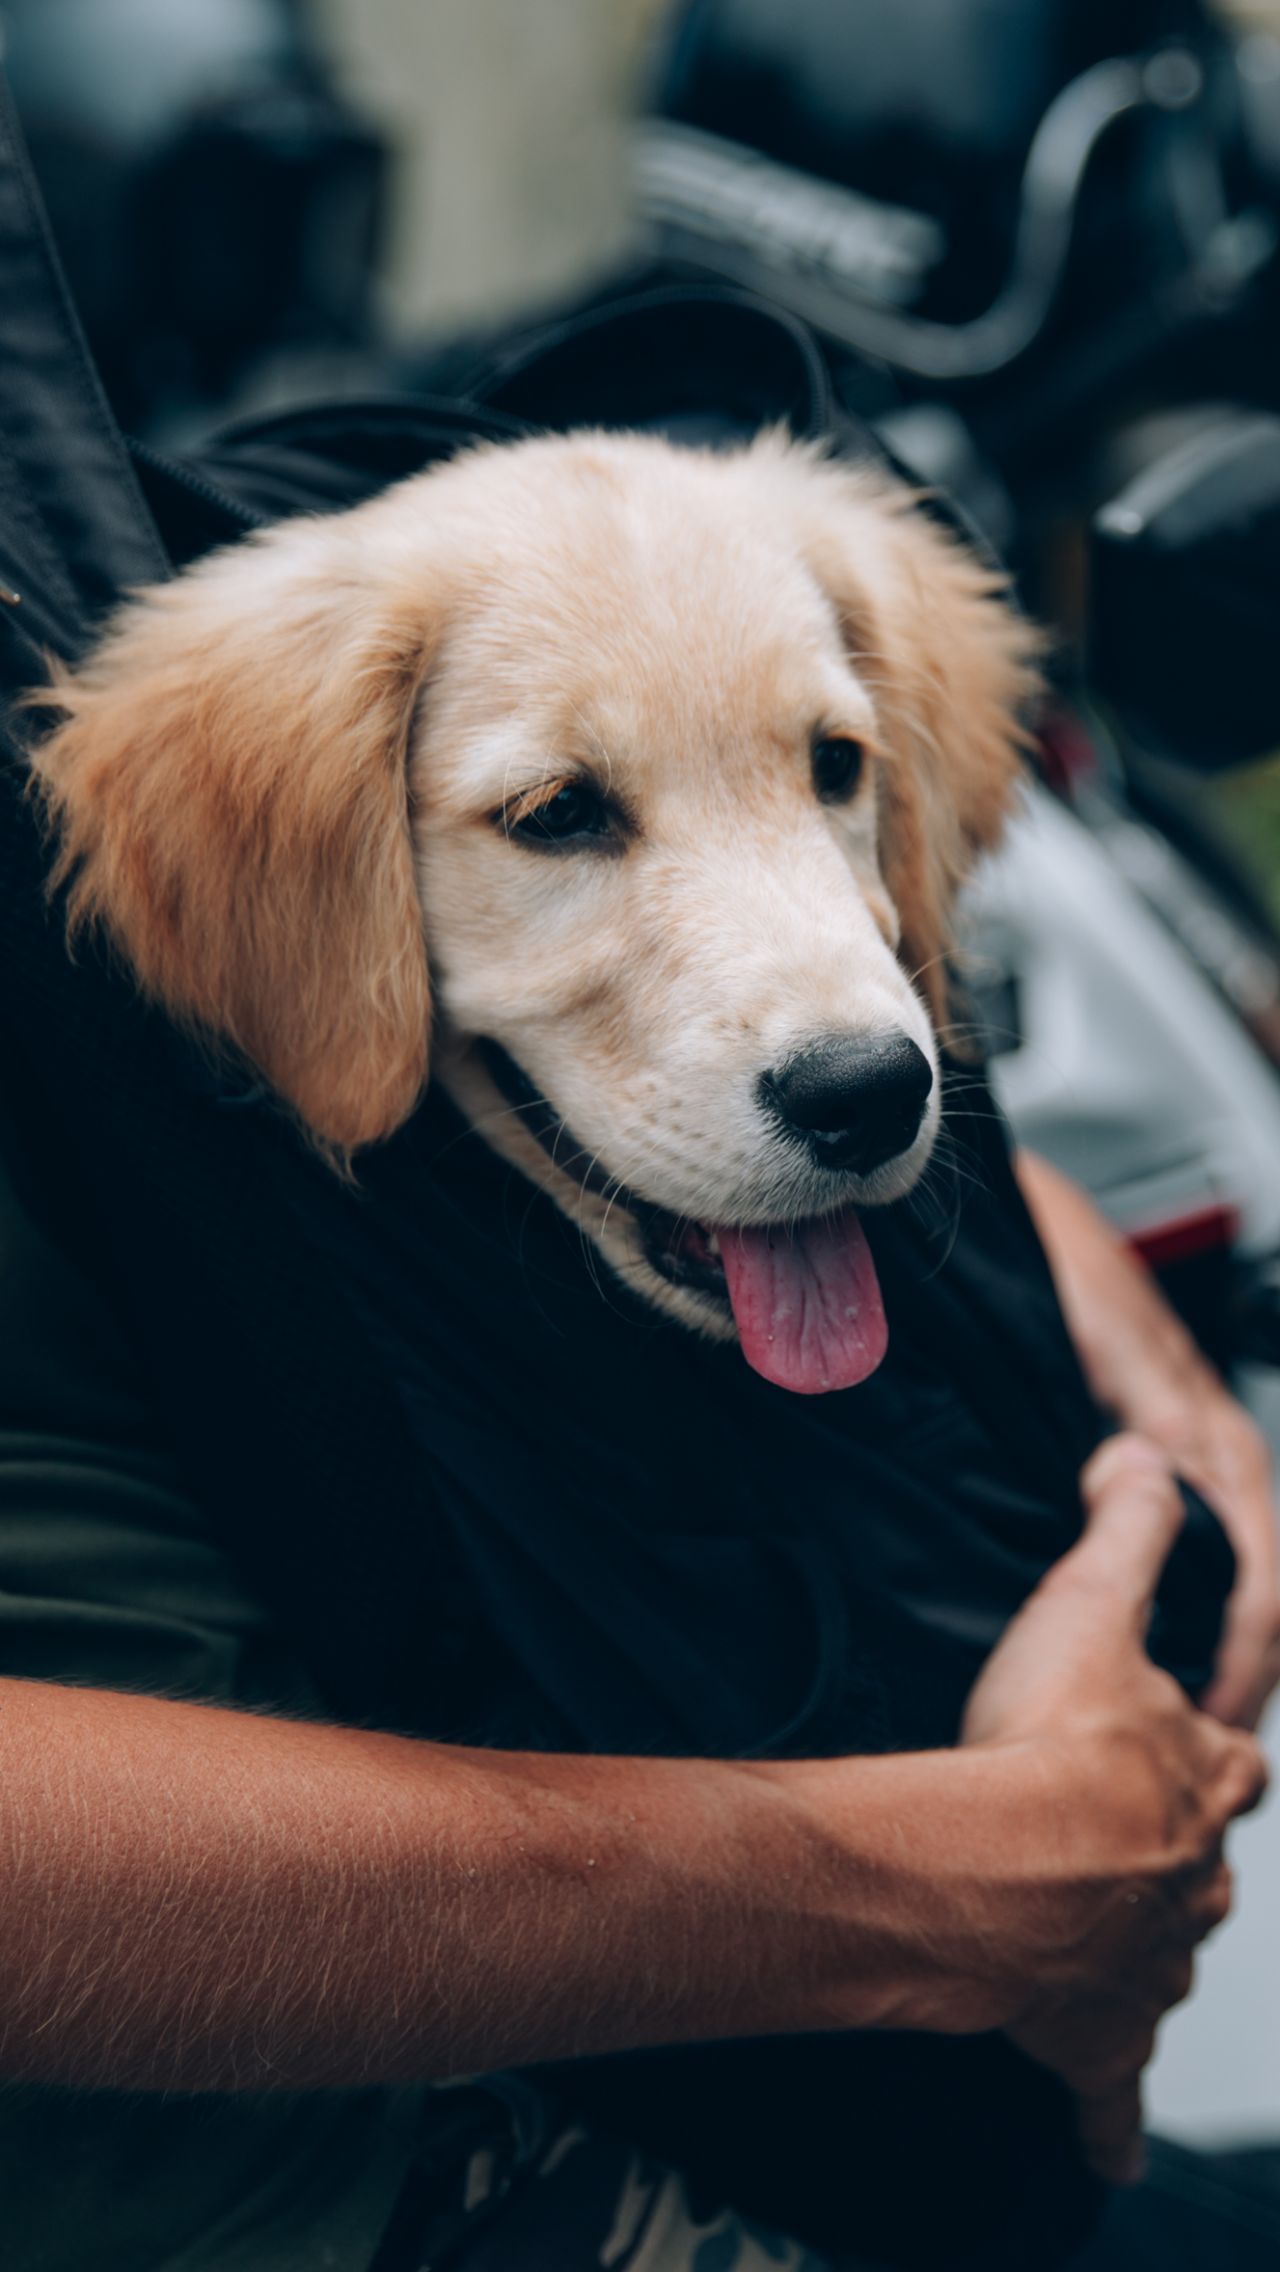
[{"x": 803, "y": 1297}]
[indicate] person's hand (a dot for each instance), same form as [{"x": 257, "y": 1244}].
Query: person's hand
[
  {"x": 1218, "y": 1447},
  {"x": 1143, "y": 1365},
  {"x": 1101, "y": 1946}
]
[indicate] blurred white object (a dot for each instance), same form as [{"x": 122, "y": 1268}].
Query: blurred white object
[
  {"x": 1131, "y": 1073},
  {"x": 509, "y": 121}
]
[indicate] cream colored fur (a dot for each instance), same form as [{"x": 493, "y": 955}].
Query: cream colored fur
[{"x": 284, "y": 784}]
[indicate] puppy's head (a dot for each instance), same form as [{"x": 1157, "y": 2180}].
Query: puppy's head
[{"x": 666, "y": 764}]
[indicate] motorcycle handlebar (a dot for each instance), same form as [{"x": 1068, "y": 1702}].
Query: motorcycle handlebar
[{"x": 1062, "y": 152}]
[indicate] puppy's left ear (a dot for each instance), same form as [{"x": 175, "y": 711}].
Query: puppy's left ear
[
  {"x": 227, "y": 784},
  {"x": 951, "y": 667}
]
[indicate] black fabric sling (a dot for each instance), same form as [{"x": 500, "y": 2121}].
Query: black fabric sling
[{"x": 368, "y": 1391}]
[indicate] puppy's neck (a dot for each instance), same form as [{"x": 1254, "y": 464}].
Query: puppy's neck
[{"x": 593, "y": 1205}]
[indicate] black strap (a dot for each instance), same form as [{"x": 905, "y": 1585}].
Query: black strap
[{"x": 675, "y": 352}]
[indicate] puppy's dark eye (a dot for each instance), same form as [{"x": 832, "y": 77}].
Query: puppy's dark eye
[
  {"x": 837, "y": 762},
  {"x": 572, "y": 812}
]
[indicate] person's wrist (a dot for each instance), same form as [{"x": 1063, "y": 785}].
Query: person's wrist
[{"x": 912, "y": 1873}]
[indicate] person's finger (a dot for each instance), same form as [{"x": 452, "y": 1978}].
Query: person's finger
[
  {"x": 1092, "y": 1602},
  {"x": 1209, "y": 1899},
  {"x": 1133, "y": 1513},
  {"x": 1242, "y": 1775},
  {"x": 1248, "y": 1664},
  {"x": 1232, "y": 1468}
]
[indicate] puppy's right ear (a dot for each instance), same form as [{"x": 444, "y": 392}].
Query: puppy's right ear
[{"x": 228, "y": 789}]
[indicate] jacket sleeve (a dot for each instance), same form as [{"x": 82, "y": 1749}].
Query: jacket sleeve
[{"x": 108, "y": 1576}]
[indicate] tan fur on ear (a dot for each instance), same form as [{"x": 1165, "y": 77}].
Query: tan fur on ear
[
  {"x": 228, "y": 787},
  {"x": 952, "y": 669}
]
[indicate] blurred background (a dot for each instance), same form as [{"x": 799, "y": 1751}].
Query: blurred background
[{"x": 1037, "y": 241}]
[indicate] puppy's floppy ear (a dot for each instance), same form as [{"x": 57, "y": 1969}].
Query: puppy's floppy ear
[
  {"x": 228, "y": 788},
  {"x": 952, "y": 670}
]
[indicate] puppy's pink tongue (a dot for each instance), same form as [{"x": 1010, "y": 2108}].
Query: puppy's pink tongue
[{"x": 806, "y": 1303}]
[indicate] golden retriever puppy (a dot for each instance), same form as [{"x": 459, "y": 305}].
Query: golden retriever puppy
[{"x": 636, "y": 780}]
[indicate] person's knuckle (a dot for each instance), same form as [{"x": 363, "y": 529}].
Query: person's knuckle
[
  {"x": 1117, "y": 1459},
  {"x": 1159, "y": 1699},
  {"x": 1178, "y": 1981},
  {"x": 1213, "y": 1903},
  {"x": 1154, "y": 1499},
  {"x": 1165, "y": 1780},
  {"x": 1215, "y": 1775},
  {"x": 1194, "y": 1846},
  {"x": 1245, "y": 1774},
  {"x": 1191, "y": 1836}
]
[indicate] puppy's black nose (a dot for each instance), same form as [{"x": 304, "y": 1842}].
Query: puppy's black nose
[{"x": 856, "y": 1099}]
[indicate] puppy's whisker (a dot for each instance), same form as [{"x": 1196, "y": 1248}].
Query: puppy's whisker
[
  {"x": 937, "y": 1205},
  {"x": 592, "y": 1252},
  {"x": 949, "y": 1152},
  {"x": 611, "y": 1202},
  {"x": 962, "y": 1085},
  {"x": 974, "y": 1029},
  {"x": 921, "y": 970},
  {"x": 480, "y": 1123}
]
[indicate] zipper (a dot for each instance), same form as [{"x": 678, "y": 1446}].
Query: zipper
[{"x": 197, "y": 485}]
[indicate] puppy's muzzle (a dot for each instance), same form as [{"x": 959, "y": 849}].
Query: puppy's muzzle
[{"x": 854, "y": 1100}]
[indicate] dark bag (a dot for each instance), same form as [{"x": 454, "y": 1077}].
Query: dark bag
[{"x": 453, "y": 1558}]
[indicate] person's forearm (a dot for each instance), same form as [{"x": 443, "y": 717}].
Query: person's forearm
[
  {"x": 1140, "y": 1360},
  {"x": 192, "y": 1898}
]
